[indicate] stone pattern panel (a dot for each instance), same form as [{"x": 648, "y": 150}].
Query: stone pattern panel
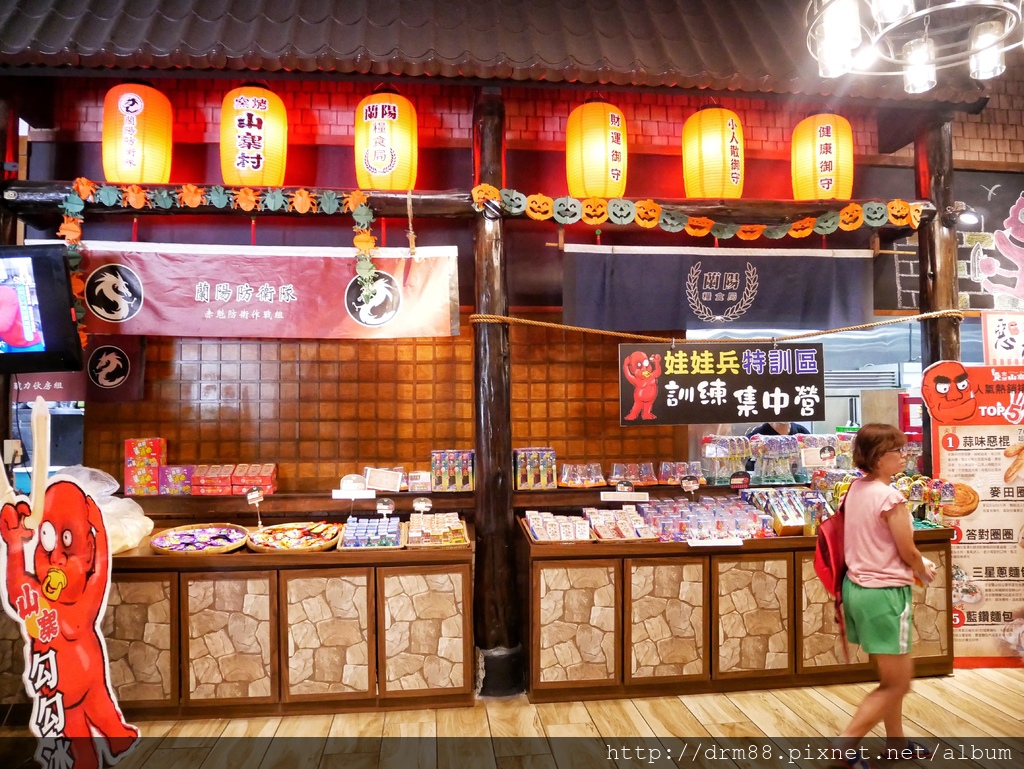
[
  {"x": 137, "y": 628},
  {"x": 229, "y": 638},
  {"x": 12, "y": 662},
  {"x": 822, "y": 645},
  {"x": 424, "y": 631},
  {"x": 328, "y": 634},
  {"x": 931, "y": 613},
  {"x": 577, "y": 624},
  {"x": 667, "y": 622},
  {"x": 753, "y": 615}
]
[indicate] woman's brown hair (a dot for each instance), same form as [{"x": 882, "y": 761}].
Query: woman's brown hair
[{"x": 873, "y": 441}]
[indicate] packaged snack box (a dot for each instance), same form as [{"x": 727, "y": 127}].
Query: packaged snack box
[
  {"x": 176, "y": 479},
  {"x": 244, "y": 489},
  {"x": 141, "y": 481},
  {"x": 142, "y": 452},
  {"x": 212, "y": 475},
  {"x": 257, "y": 474}
]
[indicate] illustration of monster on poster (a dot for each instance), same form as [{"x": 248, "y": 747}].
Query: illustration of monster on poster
[
  {"x": 978, "y": 443},
  {"x": 56, "y": 577}
]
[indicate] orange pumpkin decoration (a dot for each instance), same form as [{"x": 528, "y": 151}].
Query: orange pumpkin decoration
[
  {"x": 899, "y": 212},
  {"x": 191, "y": 196},
  {"x": 71, "y": 230},
  {"x": 303, "y": 202},
  {"x": 245, "y": 199},
  {"x": 484, "y": 192},
  {"x": 135, "y": 196},
  {"x": 83, "y": 338},
  {"x": 915, "y": 214},
  {"x": 802, "y": 228},
  {"x": 750, "y": 231},
  {"x": 647, "y": 213},
  {"x": 364, "y": 241},
  {"x": 539, "y": 207},
  {"x": 354, "y": 199},
  {"x": 83, "y": 188},
  {"x": 595, "y": 210},
  {"x": 698, "y": 226},
  {"x": 851, "y": 217},
  {"x": 78, "y": 285}
]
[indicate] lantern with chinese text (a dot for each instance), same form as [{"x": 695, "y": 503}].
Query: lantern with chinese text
[
  {"x": 137, "y": 125},
  {"x": 386, "y": 142},
  {"x": 595, "y": 151},
  {"x": 253, "y": 137},
  {"x": 713, "y": 154},
  {"x": 822, "y": 158}
]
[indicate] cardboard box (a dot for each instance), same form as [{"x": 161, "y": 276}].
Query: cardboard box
[
  {"x": 254, "y": 474},
  {"x": 267, "y": 489},
  {"x": 145, "y": 452},
  {"x": 143, "y": 480},
  {"x": 176, "y": 479},
  {"x": 213, "y": 475},
  {"x": 211, "y": 491}
]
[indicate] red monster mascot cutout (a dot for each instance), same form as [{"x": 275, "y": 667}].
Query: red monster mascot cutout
[
  {"x": 642, "y": 372},
  {"x": 947, "y": 392},
  {"x": 56, "y": 578}
]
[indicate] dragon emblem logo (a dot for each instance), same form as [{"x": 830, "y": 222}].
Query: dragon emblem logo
[
  {"x": 108, "y": 367},
  {"x": 113, "y": 292},
  {"x": 381, "y": 309}
]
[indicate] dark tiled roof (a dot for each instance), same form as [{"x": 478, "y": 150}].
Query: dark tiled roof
[{"x": 744, "y": 45}]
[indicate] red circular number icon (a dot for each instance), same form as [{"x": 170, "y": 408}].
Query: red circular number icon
[
  {"x": 958, "y": 618},
  {"x": 957, "y": 535},
  {"x": 950, "y": 442}
]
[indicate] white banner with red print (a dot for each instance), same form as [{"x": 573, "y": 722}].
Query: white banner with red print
[{"x": 267, "y": 292}]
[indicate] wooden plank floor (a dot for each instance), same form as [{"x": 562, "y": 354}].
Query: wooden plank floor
[{"x": 511, "y": 733}]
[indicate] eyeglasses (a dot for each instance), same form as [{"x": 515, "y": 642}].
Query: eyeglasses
[{"x": 902, "y": 451}]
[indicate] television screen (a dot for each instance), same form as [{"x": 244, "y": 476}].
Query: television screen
[{"x": 38, "y": 331}]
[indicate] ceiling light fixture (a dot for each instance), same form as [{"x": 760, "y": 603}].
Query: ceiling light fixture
[{"x": 912, "y": 38}]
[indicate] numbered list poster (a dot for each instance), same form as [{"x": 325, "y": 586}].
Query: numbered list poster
[{"x": 978, "y": 439}]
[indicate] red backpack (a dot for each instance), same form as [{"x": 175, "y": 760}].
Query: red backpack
[{"x": 830, "y": 564}]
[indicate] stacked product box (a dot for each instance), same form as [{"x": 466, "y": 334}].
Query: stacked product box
[
  {"x": 535, "y": 468},
  {"x": 143, "y": 458},
  {"x": 212, "y": 480},
  {"x": 452, "y": 470},
  {"x": 245, "y": 478},
  {"x": 176, "y": 479}
]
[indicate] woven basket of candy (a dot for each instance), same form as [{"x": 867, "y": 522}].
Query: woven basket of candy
[
  {"x": 200, "y": 539},
  {"x": 295, "y": 537}
]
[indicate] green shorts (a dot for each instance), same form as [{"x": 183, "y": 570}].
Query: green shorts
[{"x": 878, "y": 619}]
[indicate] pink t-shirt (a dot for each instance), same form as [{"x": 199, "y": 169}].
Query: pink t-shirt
[{"x": 871, "y": 554}]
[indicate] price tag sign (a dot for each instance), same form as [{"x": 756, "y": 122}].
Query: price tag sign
[
  {"x": 624, "y": 486},
  {"x": 740, "y": 480},
  {"x": 689, "y": 482},
  {"x": 254, "y": 496},
  {"x": 422, "y": 504},
  {"x": 385, "y": 506}
]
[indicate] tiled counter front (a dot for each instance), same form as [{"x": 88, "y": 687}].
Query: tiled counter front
[{"x": 648, "y": 619}]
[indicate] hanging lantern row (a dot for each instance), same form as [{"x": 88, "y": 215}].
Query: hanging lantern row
[{"x": 137, "y": 122}]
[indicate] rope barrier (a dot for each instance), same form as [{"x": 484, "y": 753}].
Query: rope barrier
[{"x": 483, "y": 318}]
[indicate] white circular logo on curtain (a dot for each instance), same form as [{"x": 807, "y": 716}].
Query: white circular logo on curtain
[
  {"x": 113, "y": 292},
  {"x": 381, "y": 309},
  {"x": 108, "y": 366}
]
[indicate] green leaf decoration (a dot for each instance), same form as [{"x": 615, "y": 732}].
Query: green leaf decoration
[
  {"x": 329, "y": 202},
  {"x": 74, "y": 257},
  {"x": 365, "y": 268},
  {"x": 827, "y": 223},
  {"x": 274, "y": 200},
  {"x": 724, "y": 230},
  {"x": 513, "y": 201},
  {"x": 73, "y": 205},
  {"x": 161, "y": 198},
  {"x": 621, "y": 211},
  {"x": 875, "y": 214},
  {"x": 567, "y": 210},
  {"x": 776, "y": 232},
  {"x": 672, "y": 221},
  {"x": 109, "y": 196},
  {"x": 218, "y": 197},
  {"x": 363, "y": 216}
]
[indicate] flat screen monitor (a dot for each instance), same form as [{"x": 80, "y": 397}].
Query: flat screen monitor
[{"x": 38, "y": 331}]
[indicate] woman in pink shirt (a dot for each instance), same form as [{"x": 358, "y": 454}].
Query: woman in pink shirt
[{"x": 882, "y": 561}]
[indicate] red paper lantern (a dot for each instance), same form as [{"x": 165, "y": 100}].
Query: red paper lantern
[
  {"x": 713, "y": 154},
  {"x": 386, "y": 142},
  {"x": 253, "y": 137},
  {"x": 595, "y": 151},
  {"x": 137, "y": 123},
  {"x": 821, "y": 158}
]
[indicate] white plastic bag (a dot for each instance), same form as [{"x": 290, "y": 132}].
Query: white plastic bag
[{"x": 126, "y": 522}]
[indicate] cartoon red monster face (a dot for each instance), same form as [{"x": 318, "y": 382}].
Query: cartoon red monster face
[
  {"x": 66, "y": 552},
  {"x": 640, "y": 365},
  {"x": 946, "y": 389}
]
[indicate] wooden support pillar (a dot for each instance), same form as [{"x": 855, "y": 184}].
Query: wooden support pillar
[
  {"x": 940, "y": 337},
  {"x": 495, "y": 603},
  {"x": 8, "y": 237}
]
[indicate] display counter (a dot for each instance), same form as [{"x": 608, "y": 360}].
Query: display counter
[
  {"x": 633, "y": 619},
  {"x": 248, "y": 633}
]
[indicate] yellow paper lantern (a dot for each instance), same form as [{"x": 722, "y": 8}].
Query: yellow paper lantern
[
  {"x": 595, "y": 151},
  {"x": 713, "y": 154},
  {"x": 386, "y": 142},
  {"x": 253, "y": 137},
  {"x": 822, "y": 158},
  {"x": 137, "y": 123}
]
